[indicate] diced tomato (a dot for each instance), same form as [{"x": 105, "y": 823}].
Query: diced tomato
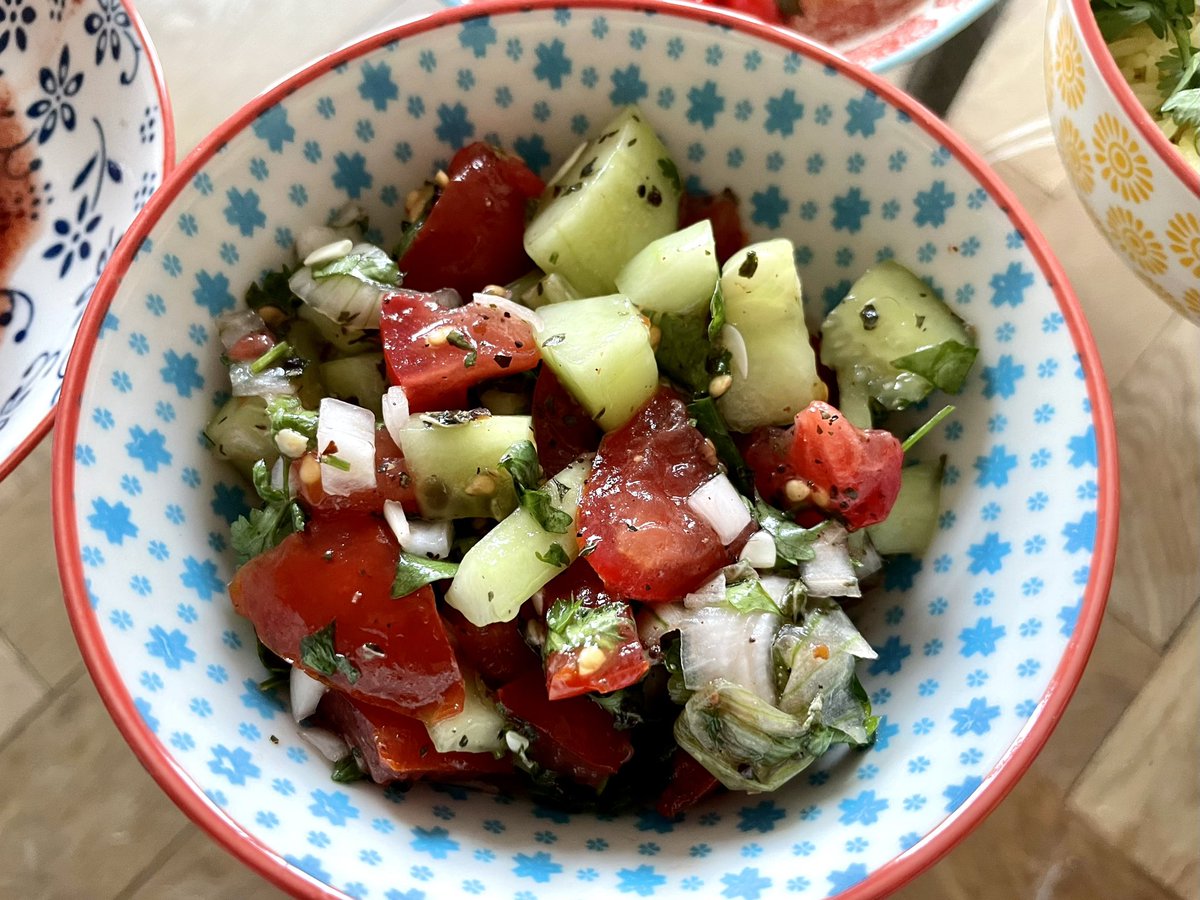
[
  {"x": 392, "y": 482},
  {"x": 398, "y": 748},
  {"x": 722, "y": 211},
  {"x": 435, "y": 354},
  {"x": 574, "y": 737},
  {"x": 854, "y": 473},
  {"x": 609, "y": 662},
  {"x": 251, "y": 346},
  {"x": 562, "y": 427},
  {"x": 339, "y": 571},
  {"x": 767, "y": 452},
  {"x": 689, "y": 783},
  {"x": 645, "y": 542},
  {"x": 766, "y": 10},
  {"x": 496, "y": 651},
  {"x": 473, "y": 235}
]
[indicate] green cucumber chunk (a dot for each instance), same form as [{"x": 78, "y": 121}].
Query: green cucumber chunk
[
  {"x": 514, "y": 560},
  {"x": 762, "y": 301},
  {"x": 356, "y": 379},
  {"x": 552, "y": 288},
  {"x": 675, "y": 274},
  {"x": 600, "y": 350},
  {"x": 479, "y": 728},
  {"x": 455, "y": 466},
  {"x": 891, "y": 314},
  {"x": 616, "y": 194},
  {"x": 910, "y": 526},
  {"x": 241, "y": 433}
]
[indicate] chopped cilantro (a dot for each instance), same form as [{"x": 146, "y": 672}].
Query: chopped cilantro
[
  {"x": 272, "y": 290},
  {"x": 750, "y": 596},
  {"x": 572, "y": 626},
  {"x": 414, "y": 572},
  {"x": 926, "y": 428},
  {"x": 459, "y": 340},
  {"x": 683, "y": 350},
  {"x": 712, "y": 426},
  {"x": 555, "y": 555},
  {"x": 317, "y": 653},
  {"x": 521, "y": 462},
  {"x": 347, "y": 769},
  {"x": 943, "y": 365},
  {"x": 716, "y": 311},
  {"x": 792, "y": 542},
  {"x": 371, "y": 266},
  {"x": 276, "y": 354},
  {"x": 287, "y": 412},
  {"x": 265, "y": 528}
]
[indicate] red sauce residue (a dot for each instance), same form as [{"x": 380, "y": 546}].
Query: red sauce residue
[
  {"x": 832, "y": 21},
  {"x": 19, "y": 196}
]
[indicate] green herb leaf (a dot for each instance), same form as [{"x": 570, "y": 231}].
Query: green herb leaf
[
  {"x": 459, "y": 340},
  {"x": 272, "y": 290},
  {"x": 712, "y": 426},
  {"x": 317, "y": 653},
  {"x": 347, "y": 769},
  {"x": 371, "y": 266},
  {"x": 335, "y": 462},
  {"x": 521, "y": 462},
  {"x": 792, "y": 542},
  {"x": 544, "y": 512},
  {"x": 683, "y": 350},
  {"x": 260, "y": 475},
  {"x": 750, "y": 596},
  {"x": 265, "y": 528},
  {"x": 670, "y": 172},
  {"x": 572, "y": 626},
  {"x": 1184, "y": 107},
  {"x": 555, "y": 555},
  {"x": 912, "y": 439},
  {"x": 943, "y": 365},
  {"x": 414, "y": 572},
  {"x": 276, "y": 354},
  {"x": 288, "y": 412},
  {"x": 716, "y": 310},
  {"x": 626, "y": 706}
]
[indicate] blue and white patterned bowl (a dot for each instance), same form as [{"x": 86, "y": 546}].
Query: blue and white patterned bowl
[
  {"x": 980, "y": 643},
  {"x": 85, "y": 136}
]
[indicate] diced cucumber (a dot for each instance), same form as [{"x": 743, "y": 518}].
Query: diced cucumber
[
  {"x": 600, "y": 350},
  {"x": 455, "y": 467},
  {"x": 890, "y": 313},
  {"x": 347, "y": 341},
  {"x": 513, "y": 560},
  {"x": 356, "y": 379},
  {"x": 241, "y": 433},
  {"x": 552, "y": 288},
  {"x": 675, "y": 274},
  {"x": 854, "y": 402},
  {"x": 910, "y": 526},
  {"x": 618, "y": 193},
  {"x": 479, "y": 728},
  {"x": 762, "y": 301}
]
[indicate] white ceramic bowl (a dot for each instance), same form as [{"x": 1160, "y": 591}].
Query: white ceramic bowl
[
  {"x": 915, "y": 29},
  {"x": 980, "y": 642},
  {"x": 1136, "y": 187},
  {"x": 85, "y": 136}
]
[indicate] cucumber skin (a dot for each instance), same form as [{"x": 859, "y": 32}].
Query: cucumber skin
[
  {"x": 603, "y": 356},
  {"x": 765, "y": 306},
  {"x": 627, "y": 199},
  {"x": 675, "y": 274},
  {"x": 502, "y": 570},
  {"x": 912, "y": 523},
  {"x": 910, "y": 317},
  {"x": 444, "y": 460}
]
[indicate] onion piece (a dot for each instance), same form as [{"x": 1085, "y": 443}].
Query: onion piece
[
  {"x": 393, "y": 514},
  {"x": 512, "y": 307},
  {"x": 327, "y": 253},
  {"x": 429, "y": 539},
  {"x": 830, "y": 573},
  {"x": 719, "y": 642},
  {"x": 306, "y": 692},
  {"x": 347, "y": 432},
  {"x": 759, "y": 551},
  {"x": 446, "y": 298},
  {"x": 655, "y": 620},
  {"x": 718, "y": 503},
  {"x": 234, "y": 325},
  {"x": 711, "y": 593},
  {"x": 267, "y": 383},
  {"x": 395, "y": 412},
  {"x": 331, "y": 746},
  {"x": 732, "y": 340},
  {"x": 350, "y": 301},
  {"x": 316, "y": 236}
]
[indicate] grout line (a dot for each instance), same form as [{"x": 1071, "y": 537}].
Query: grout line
[
  {"x": 1083, "y": 822},
  {"x": 156, "y": 863},
  {"x": 52, "y": 695},
  {"x": 24, "y": 661}
]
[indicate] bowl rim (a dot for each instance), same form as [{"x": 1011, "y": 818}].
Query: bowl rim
[
  {"x": 1089, "y": 29},
  {"x": 25, "y": 446},
  {"x": 924, "y": 46},
  {"x": 268, "y": 862}
]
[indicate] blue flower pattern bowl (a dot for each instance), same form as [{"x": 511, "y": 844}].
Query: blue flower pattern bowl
[
  {"x": 980, "y": 642},
  {"x": 84, "y": 139}
]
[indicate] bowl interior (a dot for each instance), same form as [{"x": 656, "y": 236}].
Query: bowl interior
[
  {"x": 84, "y": 140},
  {"x": 970, "y": 637}
]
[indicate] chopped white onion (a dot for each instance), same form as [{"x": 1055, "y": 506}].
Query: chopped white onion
[
  {"x": 867, "y": 560},
  {"x": 306, "y": 692},
  {"x": 395, "y": 411},
  {"x": 830, "y": 573},
  {"x": 345, "y": 299},
  {"x": 393, "y": 514},
  {"x": 510, "y": 306},
  {"x": 718, "y": 503},
  {"x": 327, "y": 253},
  {"x": 328, "y": 744},
  {"x": 316, "y": 236},
  {"x": 732, "y": 340},
  {"x": 268, "y": 383},
  {"x": 777, "y": 587},
  {"x": 347, "y": 432},
  {"x": 710, "y": 593},
  {"x": 654, "y": 620},
  {"x": 719, "y": 642},
  {"x": 759, "y": 551},
  {"x": 351, "y": 215},
  {"x": 234, "y": 325},
  {"x": 430, "y": 539},
  {"x": 277, "y": 474},
  {"x": 447, "y": 298}
]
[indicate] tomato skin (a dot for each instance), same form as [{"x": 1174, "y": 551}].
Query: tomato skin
[
  {"x": 722, "y": 211},
  {"x": 562, "y": 427},
  {"x": 434, "y": 372},
  {"x": 473, "y": 235},
  {"x": 646, "y": 543},
  {"x": 574, "y": 737},
  {"x": 689, "y": 783},
  {"x": 497, "y": 651},
  {"x": 392, "y": 482},
  {"x": 340, "y": 569},
  {"x": 857, "y": 470},
  {"x": 767, "y": 452},
  {"x": 398, "y": 748},
  {"x": 250, "y": 347},
  {"x": 762, "y": 9}
]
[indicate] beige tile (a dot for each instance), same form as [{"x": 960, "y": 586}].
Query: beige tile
[
  {"x": 79, "y": 816},
  {"x": 198, "y": 869},
  {"x": 1120, "y": 665},
  {"x": 32, "y": 615},
  {"x": 1142, "y": 789},
  {"x": 20, "y": 688},
  {"x": 1157, "y": 410},
  {"x": 1033, "y": 848}
]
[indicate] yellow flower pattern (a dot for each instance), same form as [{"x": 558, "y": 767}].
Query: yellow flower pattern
[
  {"x": 1139, "y": 244},
  {"x": 1191, "y": 301},
  {"x": 1183, "y": 237},
  {"x": 1068, "y": 66},
  {"x": 1121, "y": 161},
  {"x": 1075, "y": 155}
]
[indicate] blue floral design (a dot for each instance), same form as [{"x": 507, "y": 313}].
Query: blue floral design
[
  {"x": 704, "y": 105},
  {"x": 863, "y": 809},
  {"x": 434, "y": 841},
  {"x": 236, "y": 764},
  {"x": 539, "y": 867},
  {"x": 171, "y": 647},
  {"x": 643, "y": 880},
  {"x": 747, "y": 884},
  {"x": 243, "y": 212},
  {"x": 273, "y": 127},
  {"x": 148, "y": 447},
  {"x": 113, "y": 519},
  {"x": 862, "y": 114},
  {"x": 553, "y": 65},
  {"x": 975, "y": 718},
  {"x": 628, "y": 86},
  {"x": 181, "y": 372},
  {"x": 377, "y": 85},
  {"x": 933, "y": 204},
  {"x": 994, "y": 468},
  {"x": 783, "y": 112},
  {"x": 988, "y": 555},
  {"x": 334, "y": 806},
  {"x": 1009, "y": 286},
  {"x": 454, "y": 125},
  {"x": 849, "y": 210},
  {"x": 981, "y": 638}
]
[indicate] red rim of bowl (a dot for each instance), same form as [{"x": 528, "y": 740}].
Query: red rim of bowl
[
  {"x": 1098, "y": 49},
  {"x": 267, "y": 862},
  {"x": 31, "y": 440}
]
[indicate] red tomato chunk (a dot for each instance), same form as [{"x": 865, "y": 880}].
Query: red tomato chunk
[
  {"x": 392, "y": 482},
  {"x": 722, "y": 211},
  {"x": 497, "y": 651},
  {"x": 689, "y": 783},
  {"x": 562, "y": 427}
]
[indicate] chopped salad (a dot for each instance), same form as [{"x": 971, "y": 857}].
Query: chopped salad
[{"x": 562, "y": 492}]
